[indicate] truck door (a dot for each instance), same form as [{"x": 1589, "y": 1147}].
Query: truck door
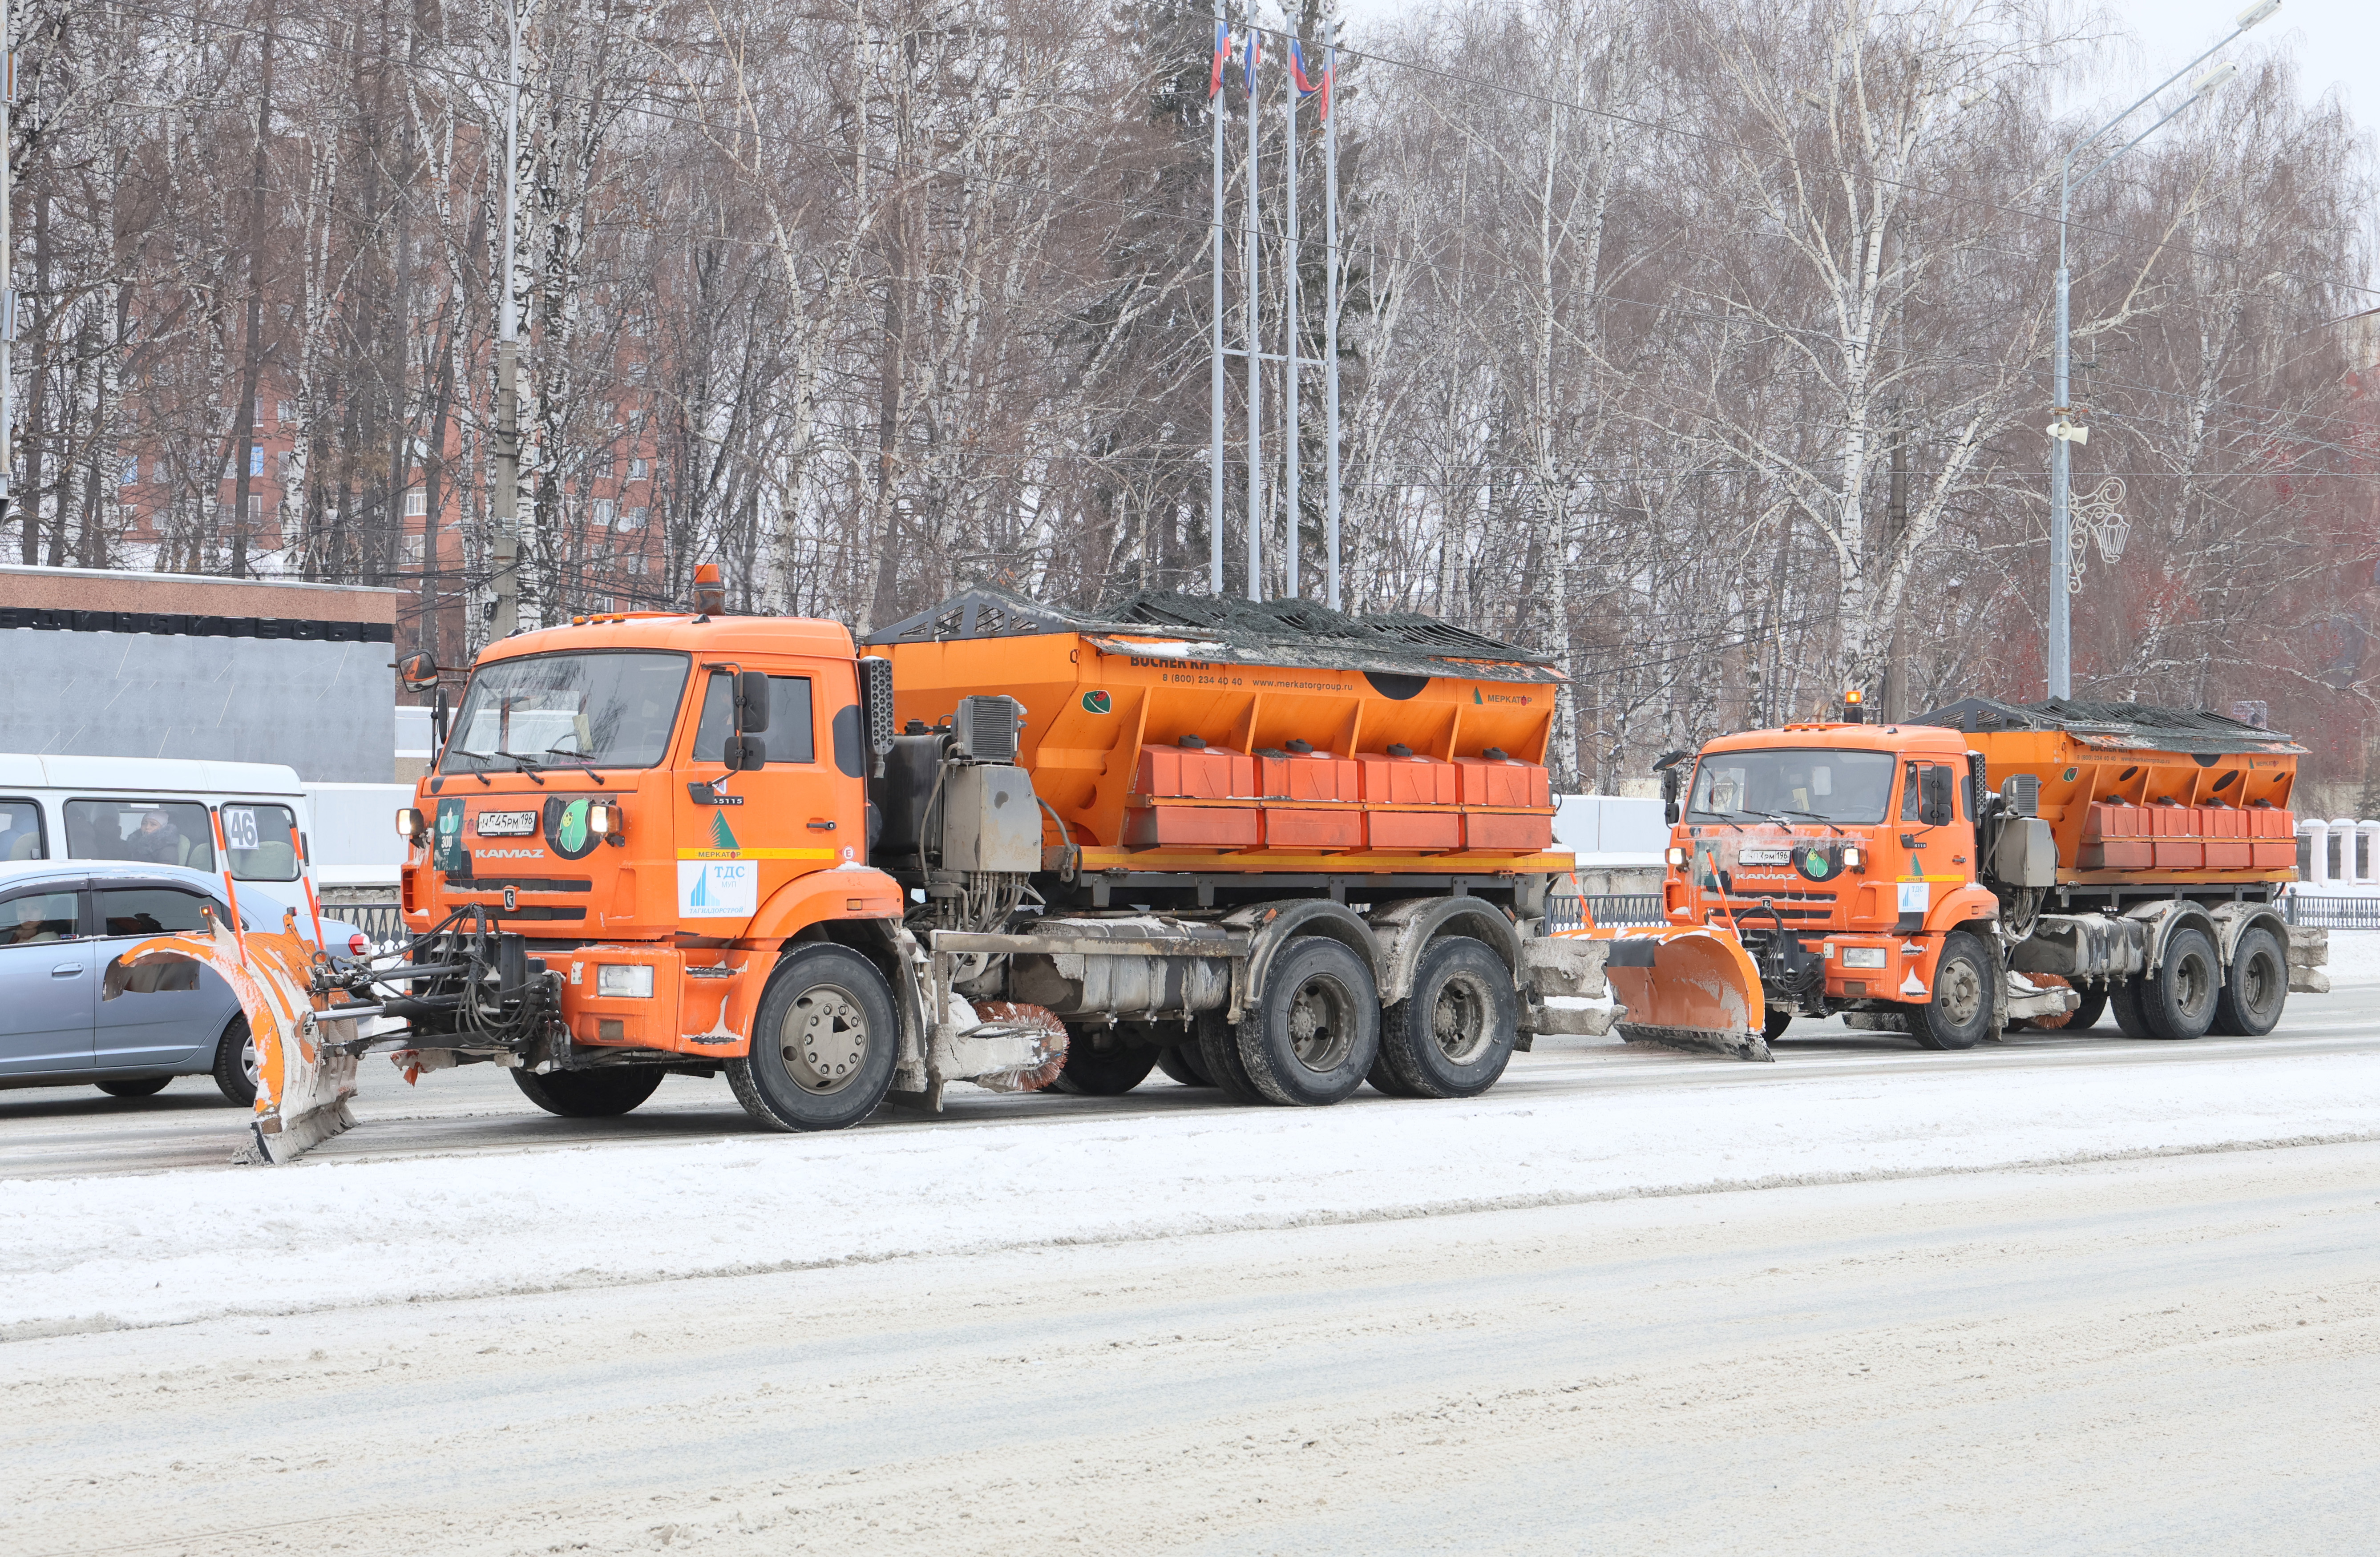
[{"x": 741, "y": 836}]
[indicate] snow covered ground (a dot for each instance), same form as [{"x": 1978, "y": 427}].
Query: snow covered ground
[
  {"x": 79, "y": 1254},
  {"x": 2355, "y": 957}
]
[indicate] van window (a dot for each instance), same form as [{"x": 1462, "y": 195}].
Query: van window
[
  {"x": 21, "y": 834},
  {"x": 789, "y": 737},
  {"x": 261, "y": 840},
  {"x": 155, "y": 832}
]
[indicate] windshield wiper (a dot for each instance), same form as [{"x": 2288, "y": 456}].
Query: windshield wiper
[
  {"x": 520, "y": 764},
  {"x": 580, "y": 758},
  {"x": 481, "y": 772},
  {"x": 1784, "y": 811}
]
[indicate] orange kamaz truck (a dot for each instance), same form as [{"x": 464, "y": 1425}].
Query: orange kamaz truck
[
  {"x": 1275, "y": 850},
  {"x": 1981, "y": 865}
]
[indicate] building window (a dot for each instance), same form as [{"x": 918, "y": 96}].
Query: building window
[
  {"x": 255, "y": 508},
  {"x": 636, "y": 470},
  {"x": 408, "y": 552},
  {"x": 282, "y": 461},
  {"x": 605, "y": 510},
  {"x": 256, "y": 459},
  {"x": 132, "y": 472},
  {"x": 632, "y": 518},
  {"x": 417, "y": 503},
  {"x": 284, "y": 411}
]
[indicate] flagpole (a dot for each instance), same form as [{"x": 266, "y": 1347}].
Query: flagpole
[
  {"x": 1215, "y": 371},
  {"x": 1290, "y": 548},
  {"x": 1255, "y": 342},
  {"x": 1331, "y": 305}
]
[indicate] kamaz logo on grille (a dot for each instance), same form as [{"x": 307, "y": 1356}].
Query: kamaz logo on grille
[{"x": 512, "y": 898}]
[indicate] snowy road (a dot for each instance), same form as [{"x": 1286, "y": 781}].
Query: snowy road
[
  {"x": 71, "y": 1131},
  {"x": 2178, "y": 1353}
]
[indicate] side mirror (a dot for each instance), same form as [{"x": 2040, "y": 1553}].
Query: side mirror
[
  {"x": 438, "y": 723},
  {"x": 1934, "y": 797},
  {"x": 417, "y": 671},
  {"x": 751, "y": 703},
  {"x": 2020, "y": 794},
  {"x": 1671, "y": 783},
  {"x": 745, "y": 753}
]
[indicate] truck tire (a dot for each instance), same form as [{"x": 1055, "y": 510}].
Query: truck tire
[
  {"x": 1315, "y": 1030},
  {"x": 2179, "y": 1004},
  {"x": 235, "y": 1068},
  {"x": 1773, "y": 1025},
  {"x": 2256, "y": 987},
  {"x": 1181, "y": 1062},
  {"x": 1455, "y": 1037},
  {"x": 142, "y": 1086},
  {"x": 1960, "y": 1014},
  {"x": 1110, "y": 1072},
  {"x": 2124, "y": 999},
  {"x": 604, "y": 1093},
  {"x": 824, "y": 1042},
  {"x": 2083, "y": 1018},
  {"x": 1219, "y": 1056}
]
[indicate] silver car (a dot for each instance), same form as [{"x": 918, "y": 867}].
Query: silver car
[{"x": 63, "y": 922}]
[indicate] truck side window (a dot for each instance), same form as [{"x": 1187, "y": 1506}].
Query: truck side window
[
  {"x": 1912, "y": 790},
  {"x": 789, "y": 737},
  {"x": 1909, "y": 793}
]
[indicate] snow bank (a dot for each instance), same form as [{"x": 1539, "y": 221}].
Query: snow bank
[
  {"x": 103, "y": 1252},
  {"x": 2355, "y": 957}
]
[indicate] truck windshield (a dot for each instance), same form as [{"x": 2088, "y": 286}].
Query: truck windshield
[
  {"x": 610, "y": 709},
  {"x": 1792, "y": 784}
]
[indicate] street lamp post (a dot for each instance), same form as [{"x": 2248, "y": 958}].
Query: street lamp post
[{"x": 2064, "y": 433}]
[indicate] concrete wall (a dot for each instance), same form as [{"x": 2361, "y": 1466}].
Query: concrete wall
[{"x": 234, "y": 670}]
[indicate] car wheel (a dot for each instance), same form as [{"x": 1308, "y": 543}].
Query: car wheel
[
  {"x": 236, "y": 1064},
  {"x": 143, "y": 1086}
]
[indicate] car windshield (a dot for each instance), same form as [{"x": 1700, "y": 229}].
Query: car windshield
[
  {"x": 1791, "y": 785},
  {"x": 611, "y": 709}
]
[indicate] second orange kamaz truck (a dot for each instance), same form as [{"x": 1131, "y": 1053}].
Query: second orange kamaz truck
[{"x": 1982, "y": 866}]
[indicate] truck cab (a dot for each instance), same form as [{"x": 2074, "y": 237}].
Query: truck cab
[{"x": 1846, "y": 858}]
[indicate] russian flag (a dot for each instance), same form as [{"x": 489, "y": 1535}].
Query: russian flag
[
  {"x": 1222, "y": 51},
  {"x": 1307, "y": 85},
  {"x": 1255, "y": 58}
]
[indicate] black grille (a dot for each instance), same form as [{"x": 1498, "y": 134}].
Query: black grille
[{"x": 520, "y": 884}]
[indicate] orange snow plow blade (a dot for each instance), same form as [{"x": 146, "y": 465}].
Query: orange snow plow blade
[
  {"x": 1690, "y": 987},
  {"x": 302, "y": 1086}
]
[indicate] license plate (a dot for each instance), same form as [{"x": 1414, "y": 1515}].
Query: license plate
[
  {"x": 507, "y": 824},
  {"x": 1757, "y": 856}
]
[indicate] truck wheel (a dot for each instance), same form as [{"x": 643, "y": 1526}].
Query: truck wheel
[
  {"x": 605, "y": 1093},
  {"x": 145, "y": 1086},
  {"x": 1455, "y": 1037},
  {"x": 2083, "y": 1018},
  {"x": 1316, "y": 1030},
  {"x": 824, "y": 1040},
  {"x": 1219, "y": 1056},
  {"x": 235, "y": 1062},
  {"x": 2124, "y": 999},
  {"x": 1961, "y": 1012},
  {"x": 2179, "y": 1004},
  {"x": 1773, "y": 1024},
  {"x": 2250, "y": 1004},
  {"x": 1110, "y": 1072},
  {"x": 1181, "y": 1062}
]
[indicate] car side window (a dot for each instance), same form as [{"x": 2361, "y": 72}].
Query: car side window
[
  {"x": 150, "y": 910},
  {"x": 38, "y": 916},
  {"x": 22, "y": 836}
]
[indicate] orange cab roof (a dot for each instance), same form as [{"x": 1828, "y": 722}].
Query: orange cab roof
[
  {"x": 720, "y": 635},
  {"x": 1846, "y": 737}
]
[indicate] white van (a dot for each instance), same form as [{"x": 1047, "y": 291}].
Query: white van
[{"x": 158, "y": 810}]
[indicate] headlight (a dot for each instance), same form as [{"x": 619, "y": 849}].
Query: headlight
[
  {"x": 1852, "y": 857},
  {"x": 1863, "y": 957},
  {"x": 602, "y": 819},
  {"x": 616, "y": 982},
  {"x": 1677, "y": 856},
  {"x": 408, "y": 822}
]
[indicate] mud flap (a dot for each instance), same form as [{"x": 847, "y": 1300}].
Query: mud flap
[
  {"x": 303, "y": 1083},
  {"x": 1687, "y": 988}
]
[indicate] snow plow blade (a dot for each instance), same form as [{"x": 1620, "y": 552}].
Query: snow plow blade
[
  {"x": 1689, "y": 987},
  {"x": 302, "y": 1085}
]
